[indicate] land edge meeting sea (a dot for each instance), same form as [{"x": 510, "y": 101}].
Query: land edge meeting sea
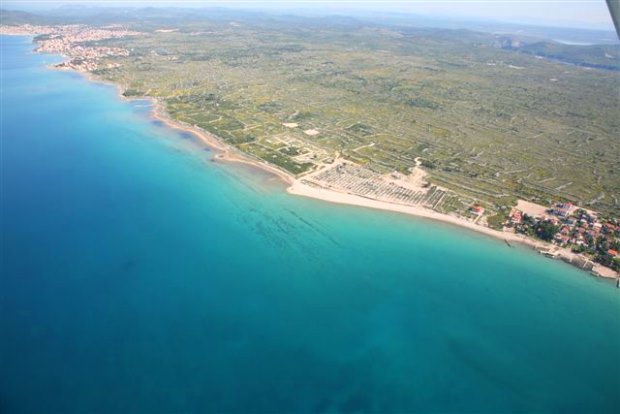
[{"x": 295, "y": 186}]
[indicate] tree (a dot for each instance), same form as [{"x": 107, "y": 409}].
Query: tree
[{"x": 546, "y": 230}]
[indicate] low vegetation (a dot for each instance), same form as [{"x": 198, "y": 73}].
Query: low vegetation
[{"x": 491, "y": 118}]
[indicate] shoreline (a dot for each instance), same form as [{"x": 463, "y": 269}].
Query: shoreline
[
  {"x": 225, "y": 153},
  {"x": 295, "y": 187},
  {"x": 540, "y": 246}
]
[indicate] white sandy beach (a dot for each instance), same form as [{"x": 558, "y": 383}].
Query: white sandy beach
[{"x": 296, "y": 187}]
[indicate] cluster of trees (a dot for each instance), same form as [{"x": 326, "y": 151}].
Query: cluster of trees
[
  {"x": 602, "y": 248},
  {"x": 546, "y": 230},
  {"x": 543, "y": 229}
]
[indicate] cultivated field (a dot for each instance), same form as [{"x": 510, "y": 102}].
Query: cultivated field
[{"x": 489, "y": 120}]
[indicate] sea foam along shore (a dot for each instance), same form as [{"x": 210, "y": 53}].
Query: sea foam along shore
[{"x": 297, "y": 187}]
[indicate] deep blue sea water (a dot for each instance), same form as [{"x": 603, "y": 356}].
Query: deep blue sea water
[{"x": 138, "y": 275}]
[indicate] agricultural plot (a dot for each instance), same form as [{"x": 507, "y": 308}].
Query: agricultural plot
[{"x": 490, "y": 125}]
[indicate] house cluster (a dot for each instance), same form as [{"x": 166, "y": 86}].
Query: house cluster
[
  {"x": 25, "y": 29},
  {"x": 580, "y": 230},
  {"x": 87, "y": 58},
  {"x": 73, "y": 41}
]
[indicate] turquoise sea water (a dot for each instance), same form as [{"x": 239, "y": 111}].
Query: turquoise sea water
[{"x": 137, "y": 275}]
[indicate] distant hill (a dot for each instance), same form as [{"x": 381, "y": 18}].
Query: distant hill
[
  {"x": 13, "y": 17},
  {"x": 594, "y": 56}
]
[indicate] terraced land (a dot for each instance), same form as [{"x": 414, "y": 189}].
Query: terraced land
[{"x": 490, "y": 125}]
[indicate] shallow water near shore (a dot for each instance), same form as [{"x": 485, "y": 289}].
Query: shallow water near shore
[{"x": 140, "y": 275}]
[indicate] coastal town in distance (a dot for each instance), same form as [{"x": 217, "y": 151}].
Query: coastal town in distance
[{"x": 426, "y": 165}]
